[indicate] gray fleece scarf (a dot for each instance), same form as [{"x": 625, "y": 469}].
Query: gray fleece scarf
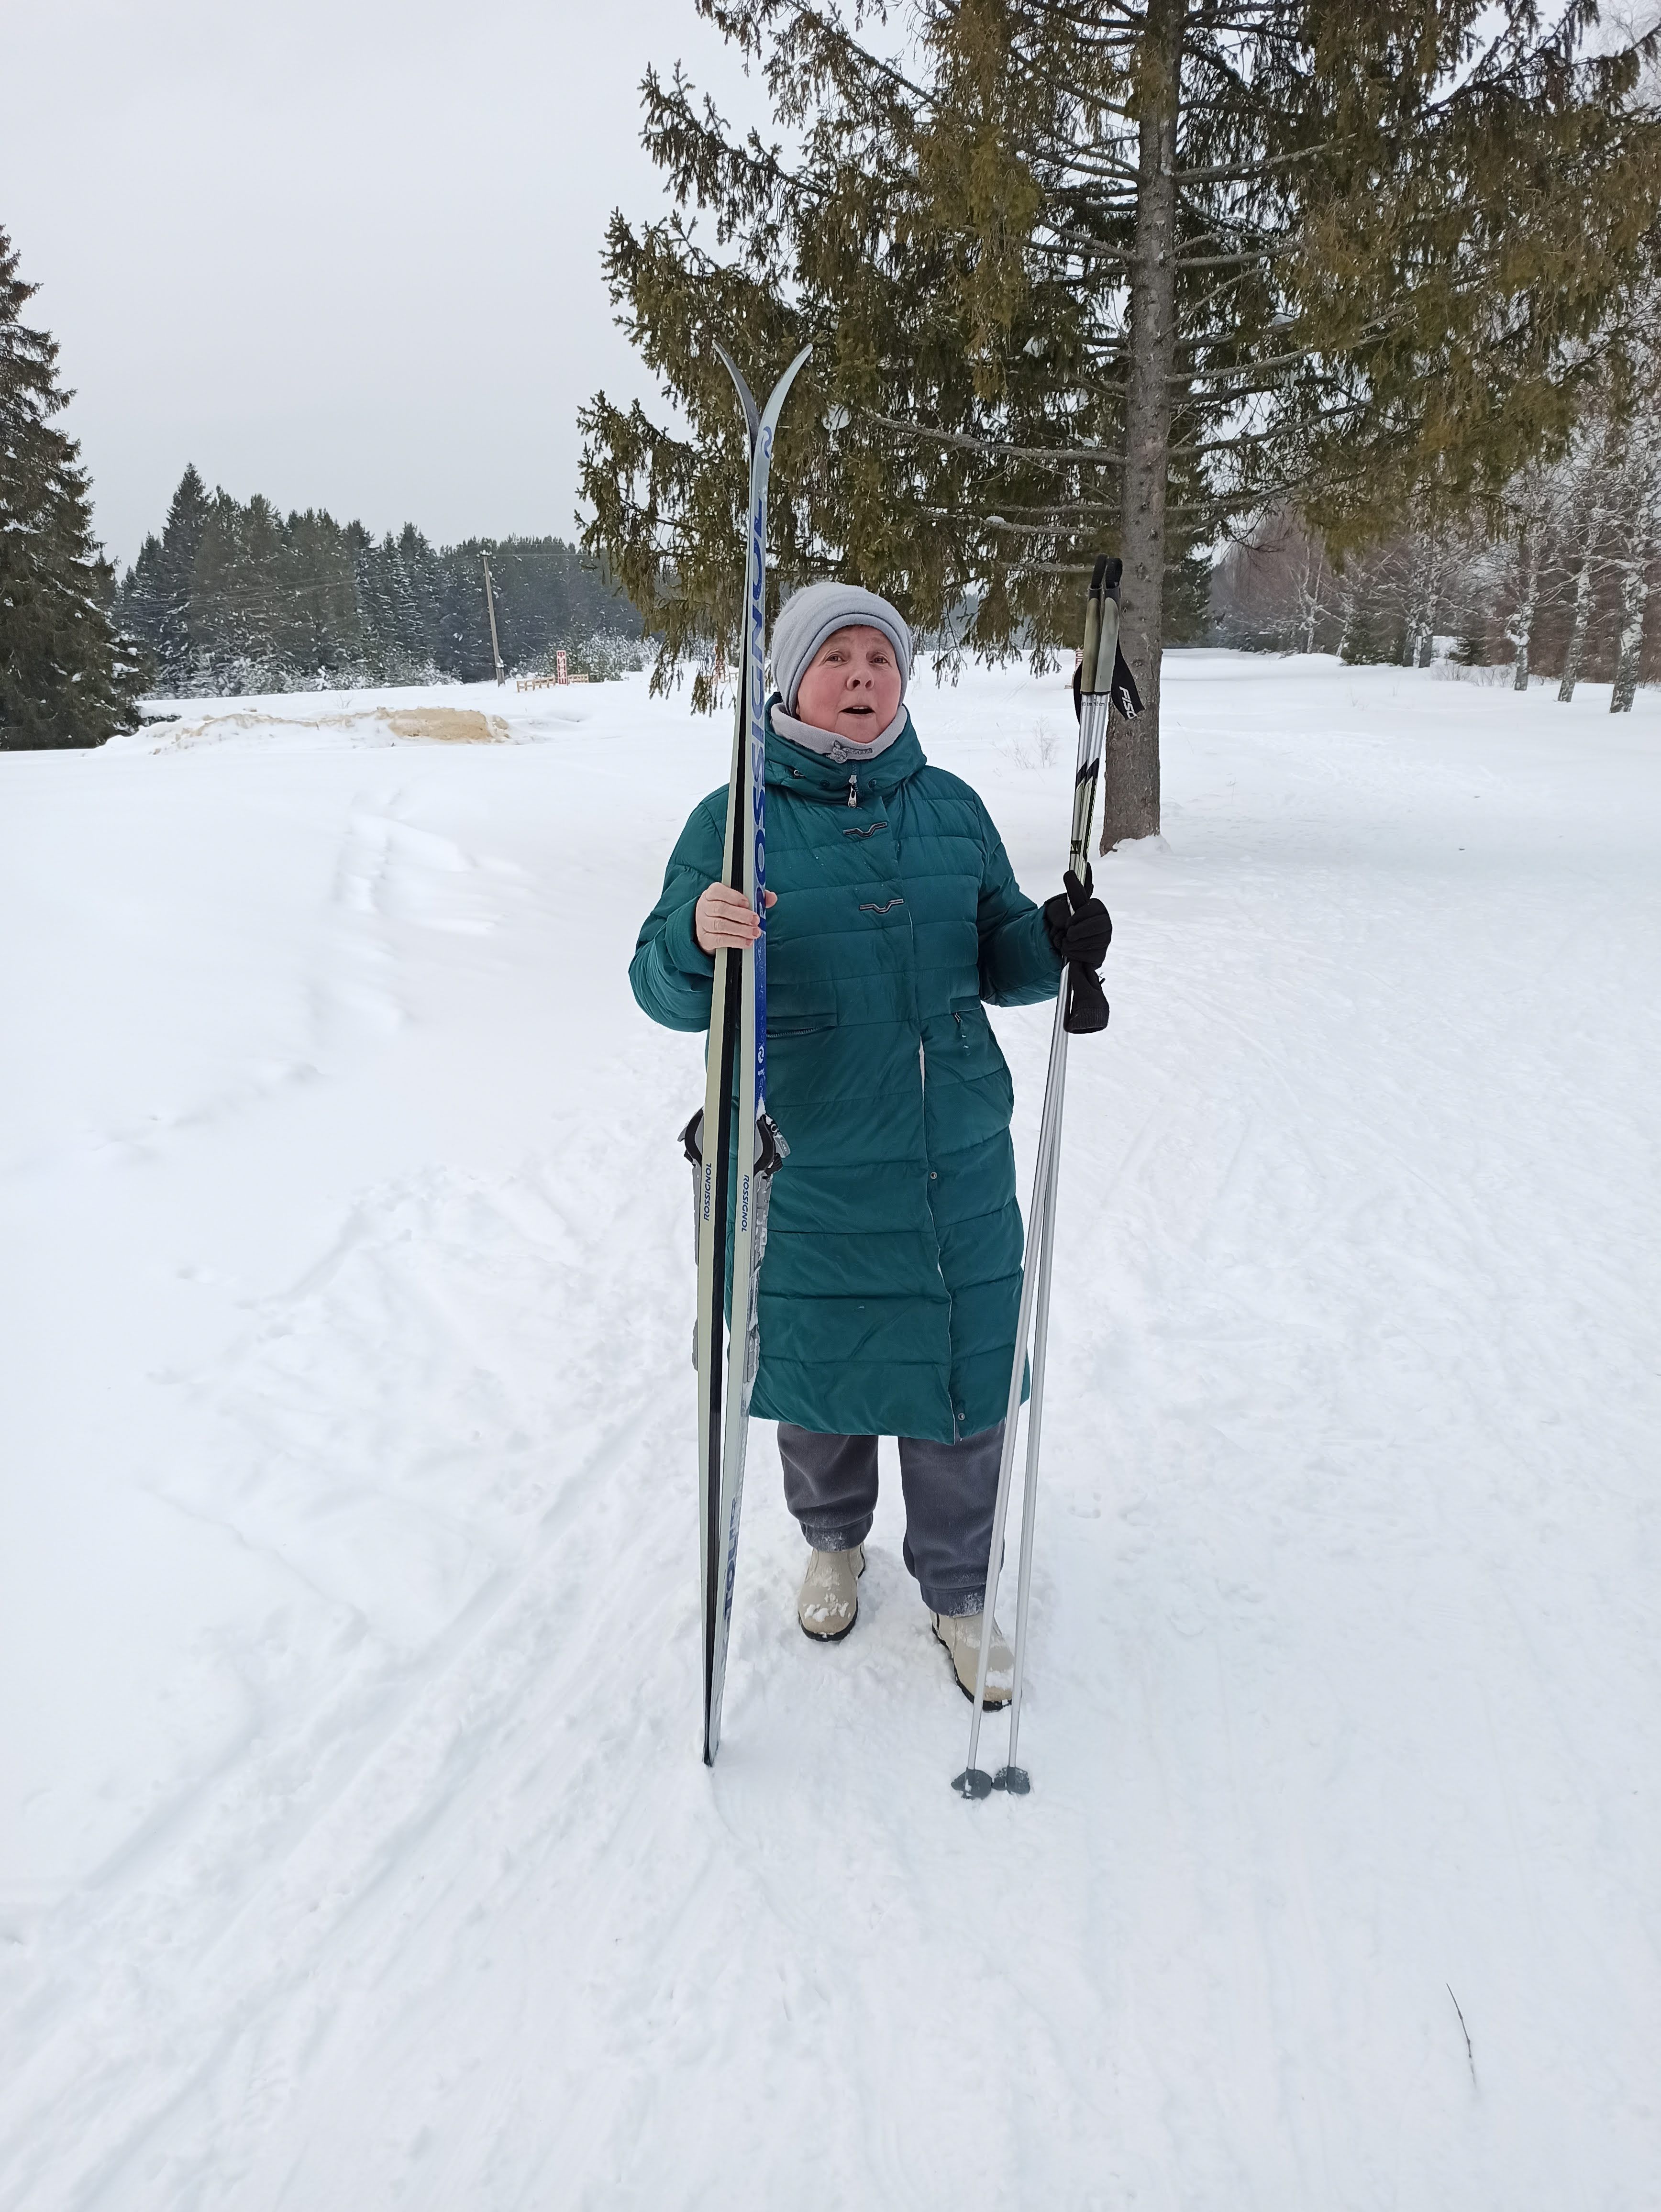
[{"x": 827, "y": 744}]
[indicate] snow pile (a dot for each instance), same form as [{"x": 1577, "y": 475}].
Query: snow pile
[
  {"x": 357, "y": 1849},
  {"x": 306, "y": 722}
]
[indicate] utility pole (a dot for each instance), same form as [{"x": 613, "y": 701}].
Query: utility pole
[{"x": 490, "y": 609}]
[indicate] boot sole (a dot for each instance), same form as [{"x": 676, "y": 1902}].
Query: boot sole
[
  {"x": 837, "y": 1635},
  {"x": 988, "y": 1704}
]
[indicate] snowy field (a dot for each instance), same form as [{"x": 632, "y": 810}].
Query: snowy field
[{"x": 357, "y": 1852}]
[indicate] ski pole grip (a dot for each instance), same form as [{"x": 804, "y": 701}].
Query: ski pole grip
[{"x": 1092, "y": 632}]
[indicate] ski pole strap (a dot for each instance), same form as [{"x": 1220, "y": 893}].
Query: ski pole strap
[
  {"x": 1126, "y": 697},
  {"x": 1087, "y": 1002}
]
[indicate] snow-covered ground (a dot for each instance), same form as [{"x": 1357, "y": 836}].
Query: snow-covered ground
[{"x": 357, "y": 1850}]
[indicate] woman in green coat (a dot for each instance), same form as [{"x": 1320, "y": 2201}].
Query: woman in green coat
[{"x": 888, "y": 1295}]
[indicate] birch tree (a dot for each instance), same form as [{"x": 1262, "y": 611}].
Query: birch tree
[
  {"x": 1636, "y": 527},
  {"x": 1588, "y": 511}
]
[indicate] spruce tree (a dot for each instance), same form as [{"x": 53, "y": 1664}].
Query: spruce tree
[
  {"x": 158, "y": 589},
  {"x": 1115, "y": 278},
  {"x": 66, "y": 677},
  {"x": 221, "y": 621},
  {"x": 417, "y": 602}
]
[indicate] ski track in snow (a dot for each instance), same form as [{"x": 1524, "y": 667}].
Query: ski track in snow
[{"x": 359, "y": 1852}]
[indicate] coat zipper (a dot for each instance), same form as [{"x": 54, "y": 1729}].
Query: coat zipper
[{"x": 853, "y": 790}]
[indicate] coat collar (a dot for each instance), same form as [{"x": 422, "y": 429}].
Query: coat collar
[{"x": 792, "y": 767}]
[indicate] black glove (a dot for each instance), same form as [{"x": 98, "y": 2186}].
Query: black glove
[{"x": 1081, "y": 928}]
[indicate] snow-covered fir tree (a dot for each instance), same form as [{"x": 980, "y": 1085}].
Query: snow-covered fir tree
[{"x": 67, "y": 677}]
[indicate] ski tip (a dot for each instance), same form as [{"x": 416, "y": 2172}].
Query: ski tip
[
  {"x": 747, "y": 398},
  {"x": 775, "y": 398},
  {"x": 1015, "y": 1779},
  {"x": 973, "y": 1782},
  {"x": 1111, "y": 569},
  {"x": 1097, "y": 572}
]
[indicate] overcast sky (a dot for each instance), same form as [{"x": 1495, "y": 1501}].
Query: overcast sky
[{"x": 345, "y": 252}]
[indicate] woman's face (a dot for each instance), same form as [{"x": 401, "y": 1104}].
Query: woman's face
[{"x": 852, "y": 686}]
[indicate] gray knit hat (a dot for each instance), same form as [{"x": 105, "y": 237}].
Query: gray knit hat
[{"x": 804, "y": 623}]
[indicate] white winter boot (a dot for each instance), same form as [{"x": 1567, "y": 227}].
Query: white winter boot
[
  {"x": 829, "y": 1602},
  {"x": 960, "y": 1632}
]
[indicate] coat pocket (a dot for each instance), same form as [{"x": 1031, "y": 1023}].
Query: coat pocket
[
  {"x": 974, "y": 1053},
  {"x": 797, "y": 1025},
  {"x": 972, "y": 1032}
]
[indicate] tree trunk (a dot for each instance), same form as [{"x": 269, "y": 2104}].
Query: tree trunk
[
  {"x": 1413, "y": 623},
  {"x": 1577, "y": 646},
  {"x": 1640, "y": 534},
  {"x": 1433, "y": 597},
  {"x": 1426, "y": 590},
  {"x": 1520, "y": 628},
  {"x": 1311, "y": 591},
  {"x": 1634, "y": 600},
  {"x": 1130, "y": 797}
]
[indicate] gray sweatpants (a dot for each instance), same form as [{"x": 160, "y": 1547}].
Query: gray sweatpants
[{"x": 830, "y": 1485}]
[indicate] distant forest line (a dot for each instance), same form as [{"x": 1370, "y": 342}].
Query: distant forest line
[{"x": 235, "y": 598}]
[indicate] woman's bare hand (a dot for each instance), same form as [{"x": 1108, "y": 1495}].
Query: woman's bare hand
[{"x": 723, "y": 916}]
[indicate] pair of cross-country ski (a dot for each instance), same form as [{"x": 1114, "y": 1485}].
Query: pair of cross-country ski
[{"x": 734, "y": 1148}]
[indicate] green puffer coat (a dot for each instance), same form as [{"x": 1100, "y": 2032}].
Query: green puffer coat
[{"x": 889, "y": 1292}]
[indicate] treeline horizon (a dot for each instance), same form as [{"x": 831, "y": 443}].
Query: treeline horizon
[
  {"x": 1559, "y": 582},
  {"x": 1281, "y": 592},
  {"x": 233, "y": 597}
]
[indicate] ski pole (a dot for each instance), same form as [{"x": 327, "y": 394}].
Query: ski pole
[
  {"x": 1013, "y": 1777},
  {"x": 1080, "y": 1006},
  {"x": 972, "y": 1781}
]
